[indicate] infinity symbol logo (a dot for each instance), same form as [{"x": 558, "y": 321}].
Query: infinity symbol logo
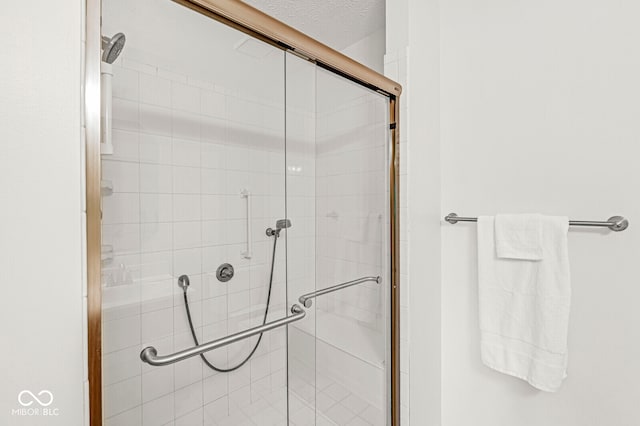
[{"x": 44, "y": 403}]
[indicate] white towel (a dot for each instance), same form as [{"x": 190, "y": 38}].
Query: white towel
[
  {"x": 519, "y": 236},
  {"x": 524, "y": 306}
]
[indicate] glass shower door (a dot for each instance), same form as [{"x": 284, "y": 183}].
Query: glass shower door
[
  {"x": 196, "y": 176},
  {"x": 241, "y": 178},
  {"x": 301, "y": 238},
  {"x": 337, "y": 192}
]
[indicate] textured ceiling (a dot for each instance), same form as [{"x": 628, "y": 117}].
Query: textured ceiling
[{"x": 337, "y": 23}]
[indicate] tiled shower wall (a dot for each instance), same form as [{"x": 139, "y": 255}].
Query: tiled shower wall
[
  {"x": 352, "y": 230},
  {"x": 184, "y": 151},
  {"x": 351, "y": 206},
  {"x": 337, "y": 359},
  {"x": 301, "y": 238}
]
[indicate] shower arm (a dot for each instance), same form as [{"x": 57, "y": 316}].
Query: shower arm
[{"x": 151, "y": 357}]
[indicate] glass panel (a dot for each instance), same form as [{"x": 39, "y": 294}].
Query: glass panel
[
  {"x": 198, "y": 156},
  {"x": 351, "y": 243},
  {"x": 337, "y": 199},
  {"x": 198, "y": 171},
  {"x": 301, "y": 238}
]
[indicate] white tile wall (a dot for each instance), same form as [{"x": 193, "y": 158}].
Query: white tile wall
[
  {"x": 351, "y": 229},
  {"x": 183, "y": 153},
  {"x": 352, "y": 203},
  {"x": 335, "y": 164},
  {"x": 184, "y": 149}
]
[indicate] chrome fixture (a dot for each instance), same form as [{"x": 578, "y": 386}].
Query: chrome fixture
[
  {"x": 112, "y": 47},
  {"x": 151, "y": 357},
  {"x": 183, "y": 282},
  {"x": 280, "y": 225},
  {"x": 225, "y": 272},
  {"x": 615, "y": 223},
  {"x": 306, "y": 299},
  {"x": 248, "y": 253}
]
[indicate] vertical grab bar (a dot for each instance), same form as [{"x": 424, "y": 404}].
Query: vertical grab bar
[{"x": 247, "y": 253}]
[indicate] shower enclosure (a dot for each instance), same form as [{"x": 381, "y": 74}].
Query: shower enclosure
[{"x": 248, "y": 253}]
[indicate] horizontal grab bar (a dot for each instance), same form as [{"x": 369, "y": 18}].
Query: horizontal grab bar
[
  {"x": 306, "y": 301},
  {"x": 615, "y": 223},
  {"x": 151, "y": 357}
]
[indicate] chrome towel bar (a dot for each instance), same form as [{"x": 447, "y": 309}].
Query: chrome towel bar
[
  {"x": 150, "y": 354},
  {"x": 615, "y": 223},
  {"x": 306, "y": 301}
]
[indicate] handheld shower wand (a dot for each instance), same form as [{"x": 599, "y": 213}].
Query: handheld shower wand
[{"x": 183, "y": 282}]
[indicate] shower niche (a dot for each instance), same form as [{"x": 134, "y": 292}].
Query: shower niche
[{"x": 229, "y": 150}]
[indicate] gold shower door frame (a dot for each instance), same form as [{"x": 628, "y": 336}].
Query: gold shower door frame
[{"x": 257, "y": 24}]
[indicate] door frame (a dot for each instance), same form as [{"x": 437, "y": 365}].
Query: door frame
[{"x": 257, "y": 24}]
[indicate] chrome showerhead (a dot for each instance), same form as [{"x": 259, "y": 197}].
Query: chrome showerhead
[
  {"x": 280, "y": 225},
  {"x": 283, "y": 224},
  {"x": 111, "y": 47}
]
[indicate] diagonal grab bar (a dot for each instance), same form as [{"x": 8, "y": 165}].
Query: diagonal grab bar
[
  {"x": 151, "y": 357},
  {"x": 306, "y": 301}
]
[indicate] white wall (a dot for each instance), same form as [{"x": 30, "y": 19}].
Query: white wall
[
  {"x": 540, "y": 114},
  {"x": 537, "y": 99},
  {"x": 369, "y": 50},
  {"x": 41, "y": 194},
  {"x": 412, "y": 59}
]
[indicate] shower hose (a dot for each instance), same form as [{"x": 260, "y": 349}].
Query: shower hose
[{"x": 264, "y": 319}]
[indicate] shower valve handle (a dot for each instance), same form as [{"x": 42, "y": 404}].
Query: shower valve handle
[{"x": 225, "y": 272}]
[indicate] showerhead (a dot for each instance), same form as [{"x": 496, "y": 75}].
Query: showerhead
[
  {"x": 280, "y": 225},
  {"x": 283, "y": 224},
  {"x": 111, "y": 47}
]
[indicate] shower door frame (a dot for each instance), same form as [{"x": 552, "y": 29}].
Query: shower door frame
[{"x": 255, "y": 23}]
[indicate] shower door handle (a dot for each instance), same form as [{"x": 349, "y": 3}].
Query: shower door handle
[
  {"x": 307, "y": 299},
  {"x": 247, "y": 253}
]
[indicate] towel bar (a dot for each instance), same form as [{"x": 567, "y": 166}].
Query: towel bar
[{"x": 615, "y": 223}]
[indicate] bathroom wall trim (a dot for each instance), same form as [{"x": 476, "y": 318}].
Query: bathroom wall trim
[
  {"x": 261, "y": 26},
  {"x": 394, "y": 230}
]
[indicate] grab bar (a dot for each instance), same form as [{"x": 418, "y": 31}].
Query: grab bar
[
  {"x": 247, "y": 253},
  {"x": 150, "y": 354},
  {"x": 306, "y": 298}
]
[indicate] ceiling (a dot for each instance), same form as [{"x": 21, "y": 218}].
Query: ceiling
[{"x": 337, "y": 23}]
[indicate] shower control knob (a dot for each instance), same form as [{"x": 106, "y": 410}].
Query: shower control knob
[{"x": 224, "y": 272}]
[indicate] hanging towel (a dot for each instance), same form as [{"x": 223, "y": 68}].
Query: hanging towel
[
  {"x": 519, "y": 236},
  {"x": 524, "y": 306}
]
